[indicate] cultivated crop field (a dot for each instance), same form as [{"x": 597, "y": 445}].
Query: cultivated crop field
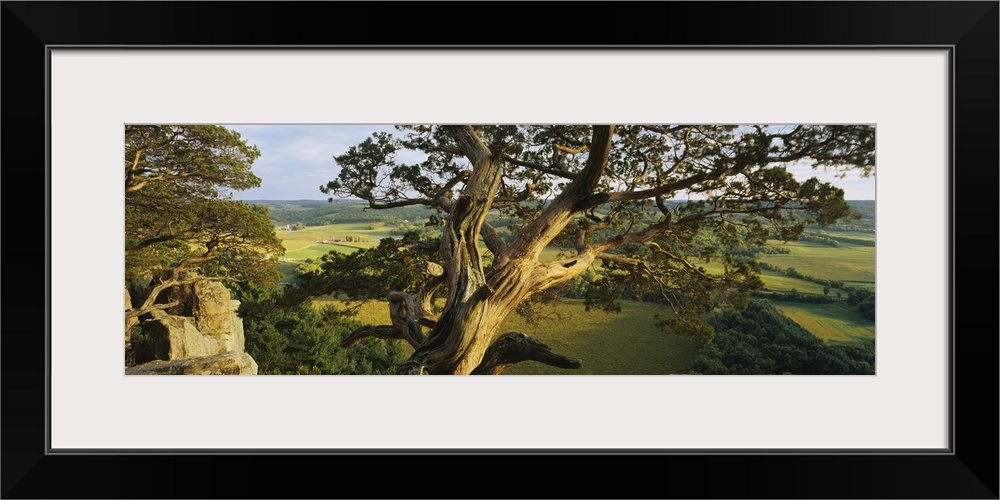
[{"x": 303, "y": 244}]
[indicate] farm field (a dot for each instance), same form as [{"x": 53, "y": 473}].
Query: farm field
[
  {"x": 828, "y": 321},
  {"x": 858, "y": 235},
  {"x": 302, "y": 244},
  {"x": 608, "y": 343},
  {"x": 846, "y": 262},
  {"x": 774, "y": 281}
]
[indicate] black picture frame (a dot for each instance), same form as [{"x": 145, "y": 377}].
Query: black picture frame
[{"x": 970, "y": 470}]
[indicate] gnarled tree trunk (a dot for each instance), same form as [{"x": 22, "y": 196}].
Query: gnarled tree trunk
[{"x": 464, "y": 339}]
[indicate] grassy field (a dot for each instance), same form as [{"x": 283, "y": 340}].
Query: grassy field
[
  {"x": 628, "y": 343},
  {"x": 847, "y": 262},
  {"x": 780, "y": 283},
  {"x": 851, "y": 234},
  {"x": 828, "y": 321},
  {"x": 774, "y": 281},
  {"x": 302, "y": 244}
]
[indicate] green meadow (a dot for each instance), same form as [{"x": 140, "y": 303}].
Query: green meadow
[
  {"x": 858, "y": 235},
  {"x": 847, "y": 262},
  {"x": 608, "y": 343},
  {"x": 773, "y": 281},
  {"x": 626, "y": 343},
  {"x": 828, "y": 321}
]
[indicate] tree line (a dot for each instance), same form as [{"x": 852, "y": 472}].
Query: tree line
[{"x": 760, "y": 340}]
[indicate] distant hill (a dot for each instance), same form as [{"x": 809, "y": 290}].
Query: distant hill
[
  {"x": 305, "y": 203},
  {"x": 323, "y": 212}
]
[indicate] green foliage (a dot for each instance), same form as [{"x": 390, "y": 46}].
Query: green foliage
[
  {"x": 178, "y": 213},
  {"x": 366, "y": 273},
  {"x": 286, "y": 335},
  {"x": 762, "y": 341},
  {"x": 664, "y": 270},
  {"x": 794, "y": 295},
  {"x": 193, "y": 159},
  {"x": 862, "y": 220},
  {"x": 863, "y": 300}
]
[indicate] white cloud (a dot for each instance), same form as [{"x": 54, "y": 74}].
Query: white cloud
[{"x": 297, "y": 159}]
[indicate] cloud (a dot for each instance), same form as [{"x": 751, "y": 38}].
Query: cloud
[{"x": 297, "y": 159}]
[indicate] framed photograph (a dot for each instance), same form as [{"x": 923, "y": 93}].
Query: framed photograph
[{"x": 922, "y": 76}]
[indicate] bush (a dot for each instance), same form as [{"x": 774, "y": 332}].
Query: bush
[
  {"x": 289, "y": 337},
  {"x": 763, "y": 341}
]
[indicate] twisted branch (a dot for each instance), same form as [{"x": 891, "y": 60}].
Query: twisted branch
[
  {"x": 515, "y": 347},
  {"x": 434, "y": 278}
]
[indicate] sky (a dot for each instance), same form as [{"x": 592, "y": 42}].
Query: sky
[{"x": 296, "y": 159}]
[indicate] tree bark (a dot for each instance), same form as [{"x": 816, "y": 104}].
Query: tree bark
[
  {"x": 477, "y": 304},
  {"x": 515, "y": 347},
  {"x": 456, "y": 345}
]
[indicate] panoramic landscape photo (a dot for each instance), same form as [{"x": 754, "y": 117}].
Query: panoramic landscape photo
[{"x": 639, "y": 249}]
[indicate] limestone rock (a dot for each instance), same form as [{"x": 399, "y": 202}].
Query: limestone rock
[
  {"x": 229, "y": 363},
  {"x": 169, "y": 337},
  {"x": 234, "y": 339},
  {"x": 190, "y": 337},
  {"x": 211, "y": 307}
]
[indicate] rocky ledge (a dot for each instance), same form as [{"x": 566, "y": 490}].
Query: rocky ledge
[
  {"x": 201, "y": 335},
  {"x": 230, "y": 363}
]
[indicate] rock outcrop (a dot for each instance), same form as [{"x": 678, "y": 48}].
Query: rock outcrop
[
  {"x": 230, "y": 363},
  {"x": 201, "y": 334},
  {"x": 174, "y": 337}
]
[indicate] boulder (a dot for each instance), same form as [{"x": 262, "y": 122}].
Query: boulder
[
  {"x": 229, "y": 363},
  {"x": 167, "y": 337}
]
